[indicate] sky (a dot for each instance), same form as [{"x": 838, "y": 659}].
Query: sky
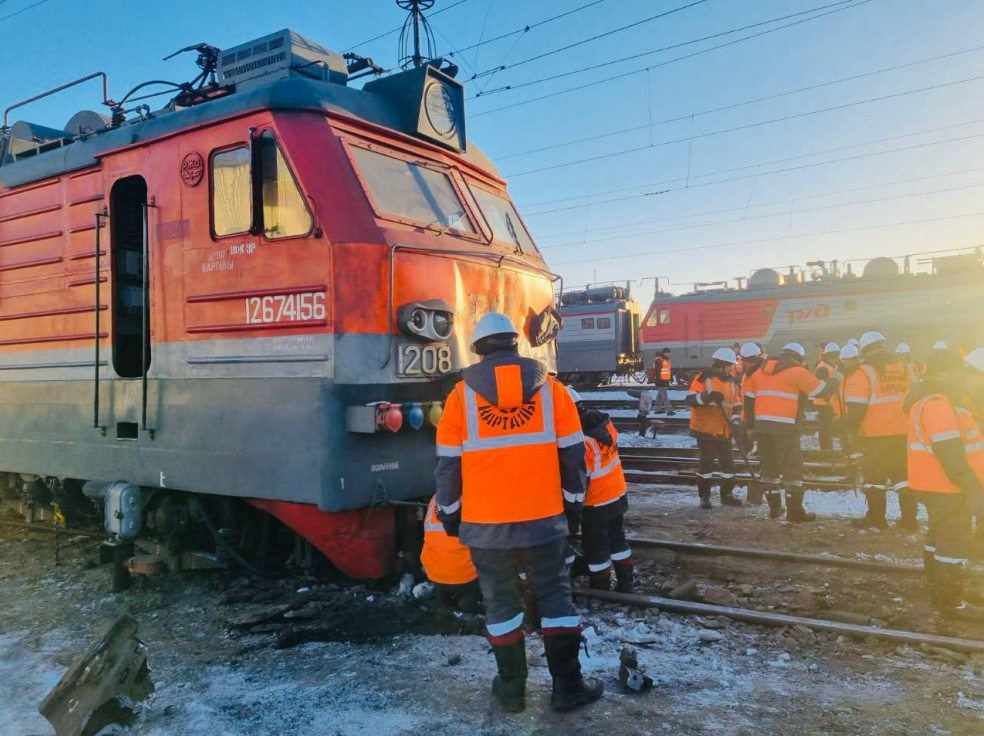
[{"x": 711, "y": 182}]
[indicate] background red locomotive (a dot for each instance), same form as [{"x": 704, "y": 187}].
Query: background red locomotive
[
  {"x": 943, "y": 303},
  {"x": 262, "y": 291}
]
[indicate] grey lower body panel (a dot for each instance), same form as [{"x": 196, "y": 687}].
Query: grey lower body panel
[{"x": 274, "y": 438}]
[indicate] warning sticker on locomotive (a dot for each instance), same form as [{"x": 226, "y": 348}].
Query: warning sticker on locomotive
[{"x": 303, "y": 307}]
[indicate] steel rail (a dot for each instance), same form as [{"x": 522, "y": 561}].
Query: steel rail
[
  {"x": 762, "y": 618},
  {"x": 690, "y": 479},
  {"x": 794, "y": 558},
  {"x": 52, "y": 529}
]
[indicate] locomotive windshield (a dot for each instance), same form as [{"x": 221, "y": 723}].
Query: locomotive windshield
[
  {"x": 504, "y": 220},
  {"x": 412, "y": 191}
]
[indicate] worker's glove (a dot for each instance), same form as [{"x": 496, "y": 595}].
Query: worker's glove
[
  {"x": 451, "y": 527},
  {"x": 716, "y": 397},
  {"x": 736, "y": 421},
  {"x": 573, "y": 522}
]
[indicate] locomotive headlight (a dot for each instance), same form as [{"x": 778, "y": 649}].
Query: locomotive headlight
[
  {"x": 432, "y": 320},
  {"x": 443, "y": 324}
]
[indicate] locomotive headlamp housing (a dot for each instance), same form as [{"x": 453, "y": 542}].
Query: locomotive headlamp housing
[{"x": 431, "y": 320}]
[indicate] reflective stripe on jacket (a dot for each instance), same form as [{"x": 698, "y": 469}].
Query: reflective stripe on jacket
[
  {"x": 606, "y": 481},
  {"x": 446, "y": 560},
  {"x": 882, "y": 395},
  {"x": 777, "y": 395},
  {"x": 510, "y": 464},
  {"x": 707, "y": 418},
  {"x": 932, "y": 420}
]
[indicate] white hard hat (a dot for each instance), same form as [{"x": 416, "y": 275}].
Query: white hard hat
[
  {"x": 939, "y": 345},
  {"x": 794, "y": 347},
  {"x": 849, "y": 351},
  {"x": 750, "y": 350},
  {"x": 870, "y": 338},
  {"x": 493, "y": 323},
  {"x": 975, "y": 359},
  {"x": 575, "y": 396},
  {"x": 902, "y": 348},
  {"x": 853, "y": 341},
  {"x": 725, "y": 355},
  {"x": 831, "y": 347}
]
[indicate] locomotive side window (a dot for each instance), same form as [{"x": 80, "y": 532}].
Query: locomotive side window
[
  {"x": 658, "y": 316},
  {"x": 587, "y": 324},
  {"x": 604, "y": 323},
  {"x": 413, "y": 192},
  {"x": 285, "y": 213},
  {"x": 504, "y": 220},
  {"x": 232, "y": 192}
]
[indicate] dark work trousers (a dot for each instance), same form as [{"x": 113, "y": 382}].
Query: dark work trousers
[
  {"x": 826, "y": 416},
  {"x": 950, "y": 537},
  {"x": 884, "y": 469},
  {"x": 548, "y": 577},
  {"x": 781, "y": 457},
  {"x": 449, "y": 595},
  {"x": 661, "y": 404},
  {"x": 603, "y": 536},
  {"x": 717, "y": 460}
]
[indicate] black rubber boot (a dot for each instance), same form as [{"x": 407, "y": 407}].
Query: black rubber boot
[
  {"x": 875, "y": 516},
  {"x": 579, "y": 567},
  {"x": 601, "y": 580},
  {"x": 704, "y": 493},
  {"x": 509, "y": 686},
  {"x": 775, "y": 504},
  {"x": 624, "y": 575},
  {"x": 726, "y": 498},
  {"x": 570, "y": 689},
  {"x": 950, "y": 598},
  {"x": 932, "y": 584},
  {"x": 795, "y": 513},
  {"x": 643, "y": 426},
  {"x": 909, "y": 509}
]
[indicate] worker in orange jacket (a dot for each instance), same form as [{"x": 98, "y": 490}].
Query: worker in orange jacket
[
  {"x": 603, "y": 520},
  {"x": 715, "y": 405},
  {"x": 511, "y": 480},
  {"x": 873, "y": 397},
  {"x": 775, "y": 413},
  {"x": 752, "y": 360},
  {"x": 946, "y": 470},
  {"x": 828, "y": 410},
  {"x": 448, "y": 565}
]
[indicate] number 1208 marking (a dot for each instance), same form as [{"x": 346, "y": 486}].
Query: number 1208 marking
[{"x": 285, "y": 308}]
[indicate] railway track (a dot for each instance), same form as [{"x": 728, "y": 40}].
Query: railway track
[
  {"x": 677, "y": 424},
  {"x": 764, "y": 618}
]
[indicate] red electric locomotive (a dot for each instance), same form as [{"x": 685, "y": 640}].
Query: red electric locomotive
[
  {"x": 776, "y": 309},
  {"x": 262, "y": 291}
]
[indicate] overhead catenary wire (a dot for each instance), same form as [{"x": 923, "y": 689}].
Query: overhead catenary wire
[
  {"x": 784, "y": 201},
  {"x": 24, "y": 9},
  {"x": 743, "y": 103},
  {"x": 756, "y": 165},
  {"x": 769, "y": 173},
  {"x": 836, "y": 8},
  {"x": 758, "y": 241},
  {"x": 397, "y": 29},
  {"x": 786, "y": 213},
  {"x": 747, "y": 126},
  {"x": 596, "y": 37},
  {"x": 527, "y": 28}
]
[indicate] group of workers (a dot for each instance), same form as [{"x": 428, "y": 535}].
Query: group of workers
[
  {"x": 523, "y": 466},
  {"x": 912, "y": 430}
]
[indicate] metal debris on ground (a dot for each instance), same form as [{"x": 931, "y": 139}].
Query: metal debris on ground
[
  {"x": 103, "y": 685},
  {"x": 630, "y": 676}
]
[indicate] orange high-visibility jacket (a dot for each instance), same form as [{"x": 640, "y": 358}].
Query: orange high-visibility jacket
[
  {"x": 606, "y": 481},
  {"x": 834, "y": 400},
  {"x": 777, "y": 394},
  {"x": 666, "y": 370},
  {"x": 707, "y": 418},
  {"x": 510, "y": 467},
  {"x": 749, "y": 387},
  {"x": 446, "y": 560},
  {"x": 934, "y": 419},
  {"x": 883, "y": 397}
]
